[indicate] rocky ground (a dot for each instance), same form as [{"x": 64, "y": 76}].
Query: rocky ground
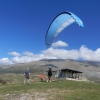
[
  {"x": 44, "y": 95},
  {"x": 27, "y": 96}
]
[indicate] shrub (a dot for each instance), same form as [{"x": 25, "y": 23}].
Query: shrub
[{"x": 4, "y": 82}]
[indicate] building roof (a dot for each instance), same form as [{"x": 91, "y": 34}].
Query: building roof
[{"x": 72, "y": 70}]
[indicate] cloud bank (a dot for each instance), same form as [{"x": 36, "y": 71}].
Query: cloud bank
[
  {"x": 14, "y": 53},
  {"x": 59, "y": 44},
  {"x": 54, "y": 53}
]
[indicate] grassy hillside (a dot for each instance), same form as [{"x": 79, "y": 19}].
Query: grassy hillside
[
  {"x": 91, "y": 70},
  {"x": 56, "y": 90}
]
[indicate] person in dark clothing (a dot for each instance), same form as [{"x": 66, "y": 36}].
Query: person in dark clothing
[
  {"x": 49, "y": 75},
  {"x": 27, "y": 76}
]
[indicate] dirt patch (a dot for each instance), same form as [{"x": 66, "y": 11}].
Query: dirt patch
[
  {"x": 49, "y": 94},
  {"x": 27, "y": 96}
]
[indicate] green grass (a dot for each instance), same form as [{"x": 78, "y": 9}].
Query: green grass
[{"x": 59, "y": 90}]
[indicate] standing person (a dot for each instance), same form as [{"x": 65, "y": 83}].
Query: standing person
[
  {"x": 49, "y": 75},
  {"x": 27, "y": 76}
]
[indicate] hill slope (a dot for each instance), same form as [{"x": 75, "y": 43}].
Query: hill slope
[
  {"x": 90, "y": 69},
  {"x": 57, "y": 90}
]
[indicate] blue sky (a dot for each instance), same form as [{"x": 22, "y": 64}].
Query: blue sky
[{"x": 24, "y": 23}]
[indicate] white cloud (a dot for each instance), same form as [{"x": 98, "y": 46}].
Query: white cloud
[
  {"x": 24, "y": 59},
  {"x": 59, "y": 44},
  {"x": 14, "y": 53},
  {"x": 88, "y": 54},
  {"x": 5, "y": 61},
  {"x": 27, "y": 53},
  {"x": 54, "y": 53},
  {"x": 61, "y": 53}
]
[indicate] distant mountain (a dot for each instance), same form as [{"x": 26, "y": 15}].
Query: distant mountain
[{"x": 90, "y": 69}]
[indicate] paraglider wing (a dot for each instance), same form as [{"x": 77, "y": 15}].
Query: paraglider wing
[{"x": 60, "y": 22}]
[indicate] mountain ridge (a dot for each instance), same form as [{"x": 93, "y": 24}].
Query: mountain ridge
[{"x": 89, "y": 68}]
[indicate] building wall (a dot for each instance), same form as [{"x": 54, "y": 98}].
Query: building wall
[
  {"x": 66, "y": 74},
  {"x": 69, "y": 75}
]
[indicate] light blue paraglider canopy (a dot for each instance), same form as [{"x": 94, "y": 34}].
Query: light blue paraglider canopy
[{"x": 62, "y": 21}]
